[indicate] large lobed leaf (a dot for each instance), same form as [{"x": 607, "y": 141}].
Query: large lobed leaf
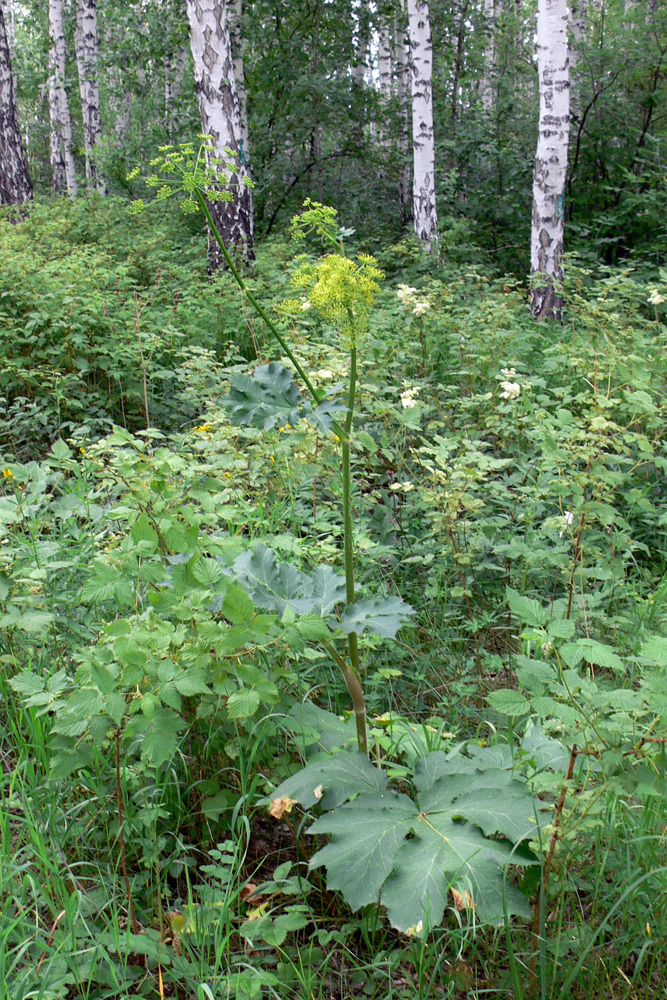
[
  {"x": 270, "y": 398},
  {"x": 467, "y": 825}
]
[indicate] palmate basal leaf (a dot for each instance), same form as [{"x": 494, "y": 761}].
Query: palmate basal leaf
[
  {"x": 463, "y": 831},
  {"x": 383, "y": 617},
  {"x": 335, "y": 778}
]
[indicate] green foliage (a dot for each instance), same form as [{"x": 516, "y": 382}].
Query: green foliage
[{"x": 410, "y": 854}]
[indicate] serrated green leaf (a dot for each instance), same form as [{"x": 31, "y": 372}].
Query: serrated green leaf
[
  {"x": 191, "y": 682},
  {"x": 237, "y": 607},
  {"x": 655, "y": 648},
  {"x": 508, "y": 702},
  {"x": 161, "y": 739},
  {"x": 270, "y": 583},
  {"x": 267, "y": 399},
  {"x": 313, "y": 725},
  {"x": 207, "y": 571},
  {"x": 598, "y": 653},
  {"x": 60, "y": 450},
  {"x": 340, "y": 776},
  {"x": 526, "y": 609},
  {"x": 27, "y": 684},
  {"x": 243, "y": 703},
  {"x": 561, "y": 628},
  {"x": 383, "y": 618},
  {"x": 451, "y": 829},
  {"x": 367, "y": 834},
  {"x": 325, "y": 414}
]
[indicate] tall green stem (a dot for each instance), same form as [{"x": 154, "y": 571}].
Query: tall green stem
[
  {"x": 351, "y": 675},
  {"x": 352, "y": 643}
]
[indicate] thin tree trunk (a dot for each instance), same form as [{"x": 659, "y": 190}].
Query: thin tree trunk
[
  {"x": 62, "y": 158},
  {"x": 486, "y": 86},
  {"x": 546, "y": 257},
  {"x": 363, "y": 43},
  {"x": 89, "y": 88},
  {"x": 15, "y": 183},
  {"x": 423, "y": 184},
  {"x": 215, "y": 86},
  {"x": 236, "y": 38},
  {"x": 403, "y": 92}
]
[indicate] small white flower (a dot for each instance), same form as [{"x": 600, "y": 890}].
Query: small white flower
[
  {"x": 421, "y": 307},
  {"x": 568, "y": 518},
  {"x": 510, "y": 390},
  {"x": 408, "y": 402},
  {"x": 509, "y": 373},
  {"x": 546, "y": 648},
  {"x": 305, "y": 305},
  {"x": 655, "y": 298}
]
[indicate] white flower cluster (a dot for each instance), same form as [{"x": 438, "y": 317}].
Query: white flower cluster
[
  {"x": 510, "y": 389},
  {"x": 409, "y": 395},
  {"x": 655, "y": 298},
  {"x": 407, "y": 296}
]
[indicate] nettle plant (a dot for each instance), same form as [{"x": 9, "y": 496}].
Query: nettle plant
[{"x": 473, "y": 815}]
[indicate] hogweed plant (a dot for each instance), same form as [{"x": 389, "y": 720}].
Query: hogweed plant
[
  {"x": 342, "y": 291},
  {"x": 410, "y": 850}
]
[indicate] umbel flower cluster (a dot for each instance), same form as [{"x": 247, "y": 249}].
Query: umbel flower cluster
[{"x": 342, "y": 290}]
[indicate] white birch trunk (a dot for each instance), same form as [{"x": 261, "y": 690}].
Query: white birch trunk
[
  {"x": 546, "y": 257},
  {"x": 423, "y": 145},
  {"x": 236, "y": 38},
  {"x": 89, "y": 88},
  {"x": 15, "y": 184},
  {"x": 386, "y": 61},
  {"x": 363, "y": 43},
  {"x": 215, "y": 86},
  {"x": 578, "y": 11},
  {"x": 486, "y": 86},
  {"x": 62, "y": 158},
  {"x": 403, "y": 92}
]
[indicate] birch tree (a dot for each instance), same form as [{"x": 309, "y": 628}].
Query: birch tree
[
  {"x": 89, "y": 88},
  {"x": 236, "y": 38},
  {"x": 403, "y": 93},
  {"x": 215, "y": 86},
  {"x": 423, "y": 145},
  {"x": 62, "y": 158},
  {"x": 546, "y": 251},
  {"x": 15, "y": 184}
]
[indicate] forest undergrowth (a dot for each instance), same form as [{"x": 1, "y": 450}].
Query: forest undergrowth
[{"x": 206, "y": 573}]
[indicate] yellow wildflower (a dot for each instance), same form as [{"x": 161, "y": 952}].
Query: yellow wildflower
[{"x": 8, "y": 474}]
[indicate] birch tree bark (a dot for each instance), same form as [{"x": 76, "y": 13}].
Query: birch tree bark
[
  {"x": 423, "y": 182},
  {"x": 215, "y": 86},
  {"x": 89, "y": 88},
  {"x": 486, "y": 85},
  {"x": 62, "y": 158},
  {"x": 403, "y": 93},
  {"x": 546, "y": 257},
  {"x": 236, "y": 38},
  {"x": 15, "y": 184}
]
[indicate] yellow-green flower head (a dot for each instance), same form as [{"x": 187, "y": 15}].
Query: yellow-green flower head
[{"x": 342, "y": 290}]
